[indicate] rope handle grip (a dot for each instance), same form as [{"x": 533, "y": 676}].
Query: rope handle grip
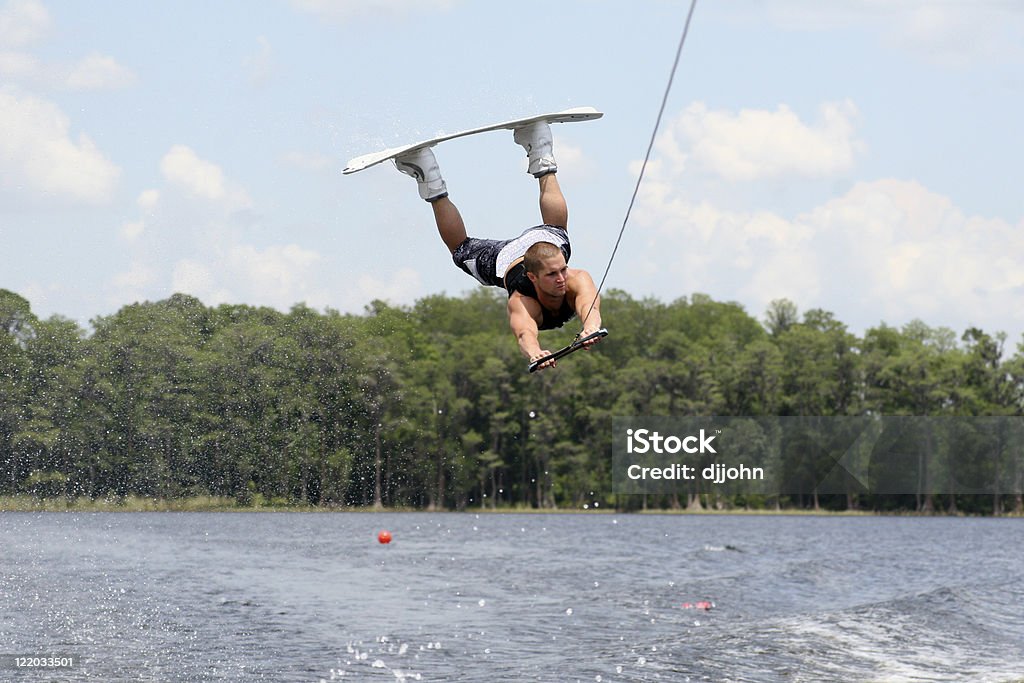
[{"x": 576, "y": 345}]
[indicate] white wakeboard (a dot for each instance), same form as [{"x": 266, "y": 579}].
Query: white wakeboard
[{"x": 374, "y": 158}]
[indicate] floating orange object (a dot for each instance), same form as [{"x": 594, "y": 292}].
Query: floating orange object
[{"x": 384, "y": 537}]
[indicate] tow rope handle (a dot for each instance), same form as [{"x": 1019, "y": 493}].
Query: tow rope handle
[{"x": 576, "y": 345}]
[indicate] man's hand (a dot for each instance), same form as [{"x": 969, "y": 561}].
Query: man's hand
[
  {"x": 537, "y": 356},
  {"x": 587, "y": 332}
]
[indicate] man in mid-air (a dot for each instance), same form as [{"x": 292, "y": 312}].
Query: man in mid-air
[{"x": 544, "y": 292}]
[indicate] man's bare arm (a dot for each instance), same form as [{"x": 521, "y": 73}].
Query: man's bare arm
[
  {"x": 524, "y": 327},
  {"x": 587, "y": 303}
]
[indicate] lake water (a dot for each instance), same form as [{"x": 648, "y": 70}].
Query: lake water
[{"x": 534, "y": 597}]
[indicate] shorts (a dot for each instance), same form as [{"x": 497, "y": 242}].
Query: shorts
[{"x": 489, "y": 260}]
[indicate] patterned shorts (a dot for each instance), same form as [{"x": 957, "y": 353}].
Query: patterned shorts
[{"x": 483, "y": 258}]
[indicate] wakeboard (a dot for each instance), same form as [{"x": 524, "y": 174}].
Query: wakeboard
[{"x": 367, "y": 160}]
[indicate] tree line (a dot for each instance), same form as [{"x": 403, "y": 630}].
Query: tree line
[{"x": 430, "y": 406}]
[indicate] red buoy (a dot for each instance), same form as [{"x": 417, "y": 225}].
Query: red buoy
[{"x": 384, "y": 537}]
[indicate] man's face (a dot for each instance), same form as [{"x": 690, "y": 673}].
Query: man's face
[{"x": 551, "y": 278}]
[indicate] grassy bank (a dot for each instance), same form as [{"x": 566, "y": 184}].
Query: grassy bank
[{"x": 141, "y": 504}]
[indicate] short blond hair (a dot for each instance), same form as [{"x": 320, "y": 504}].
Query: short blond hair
[{"x": 535, "y": 256}]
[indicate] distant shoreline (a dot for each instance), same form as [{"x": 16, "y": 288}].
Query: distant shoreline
[{"x": 228, "y": 505}]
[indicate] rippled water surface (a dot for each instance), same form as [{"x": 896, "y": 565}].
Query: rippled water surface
[{"x": 465, "y": 597}]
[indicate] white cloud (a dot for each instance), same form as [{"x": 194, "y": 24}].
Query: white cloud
[
  {"x": 182, "y": 167},
  {"x": 132, "y": 230},
  {"x": 22, "y": 22},
  {"x": 38, "y": 154},
  {"x": 573, "y": 162},
  {"x": 277, "y": 273},
  {"x": 958, "y": 34},
  {"x": 248, "y": 275},
  {"x": 403, "y": 287},
  {"x": 752, "y": 256},
  {"x": 191, "y": 276},
  {"x": 19, "y": 67},
  {"x": 920, "y": 256},
  {"x": 131, "y": 285},
  {"x": 888, "y": 250},
  {"x": 278, "y": 276},
  {"x": 148, "y": 199},
  {"x": 947, "y": 33},
  {"x": 191, "y": 233},
  {"x": 94, "y": 72},
  {"x": 98, "y": 72},
  {"x": 754, "y": 143}
]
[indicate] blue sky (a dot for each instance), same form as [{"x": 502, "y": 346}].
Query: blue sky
[{"x": 861, "y": 156}]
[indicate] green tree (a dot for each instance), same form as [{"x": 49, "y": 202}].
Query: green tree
[
  {"x": 17, "y": 329},
  {"x": 912, "y": 372},
  {"x": 51, "y": 432},
  {"x": 819, "y": 378}
]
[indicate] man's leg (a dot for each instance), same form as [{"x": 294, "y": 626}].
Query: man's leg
[
  {"x": 421, "y": 165},
  {"x": 449, "y": 223},
  {"x": 537, "y": 141},
  {"x": 553, "y": 209}
]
